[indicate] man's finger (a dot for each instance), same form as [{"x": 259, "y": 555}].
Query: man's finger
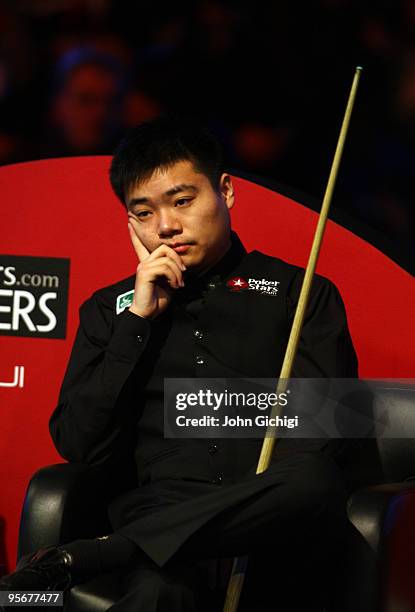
[
  {"x": 170, "y": 263},
  {"x": 164, "y": 250},
  {"x": 140, "y": 249},
  {"x": 164, "y": 270}
]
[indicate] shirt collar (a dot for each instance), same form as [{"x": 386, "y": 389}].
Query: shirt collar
[{"x": 223, "y": 268}]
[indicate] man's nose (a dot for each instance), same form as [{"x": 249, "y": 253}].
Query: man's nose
[{"x": 169, "y": 224}]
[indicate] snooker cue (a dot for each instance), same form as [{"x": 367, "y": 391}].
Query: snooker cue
[{"x": 240, "y": 563}]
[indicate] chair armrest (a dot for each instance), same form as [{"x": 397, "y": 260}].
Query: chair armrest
[
  {"x": 65, "y": 502},
  {"x": 382, "y": 547},
  {"x": 371, "y": 510}
]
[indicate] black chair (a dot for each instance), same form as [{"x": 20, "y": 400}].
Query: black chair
[{"x": 67, "y": 501}]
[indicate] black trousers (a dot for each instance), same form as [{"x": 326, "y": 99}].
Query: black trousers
[{"x": 293, "y": 532}]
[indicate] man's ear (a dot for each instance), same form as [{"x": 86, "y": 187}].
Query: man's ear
[{"x": 226, "y": 190}]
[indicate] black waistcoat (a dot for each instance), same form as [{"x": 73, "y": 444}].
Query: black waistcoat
[{"x": 212, "y": 330}]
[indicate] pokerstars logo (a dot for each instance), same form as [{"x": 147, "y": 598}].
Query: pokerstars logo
[
  {"x": 263, "y": 285},
  {"x": 237, "y": 284}
]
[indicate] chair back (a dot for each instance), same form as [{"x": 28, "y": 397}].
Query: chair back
[{"x": 394, "y": 412}]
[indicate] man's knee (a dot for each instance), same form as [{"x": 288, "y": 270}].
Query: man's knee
[{"x": 313, "y": 483}]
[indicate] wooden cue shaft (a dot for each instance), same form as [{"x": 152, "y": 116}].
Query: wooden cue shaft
[{"x": 240, "y": 563}]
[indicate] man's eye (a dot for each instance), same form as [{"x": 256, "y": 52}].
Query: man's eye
[
  {"x": 142, "y": 214},
  {"x": 183, "y": 201}
]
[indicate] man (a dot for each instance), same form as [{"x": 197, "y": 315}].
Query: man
[{"x": 180, "y": 317}]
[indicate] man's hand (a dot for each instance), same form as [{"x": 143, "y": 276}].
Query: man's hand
[{"x": 158, "y": 274}]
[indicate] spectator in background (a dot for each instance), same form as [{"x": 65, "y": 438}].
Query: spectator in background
[{"x": 85, "y": 113}]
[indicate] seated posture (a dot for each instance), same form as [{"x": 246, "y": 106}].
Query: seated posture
[{"x": 179, "y": 316}]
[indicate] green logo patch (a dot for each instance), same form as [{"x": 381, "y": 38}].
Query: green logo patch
[{"x": 124, "y": 301}]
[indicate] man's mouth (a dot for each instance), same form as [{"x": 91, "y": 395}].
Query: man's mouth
[{"x": 180, "y": 247}]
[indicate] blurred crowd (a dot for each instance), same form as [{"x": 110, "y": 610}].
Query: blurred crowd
[{"x": 271, "y": 79}]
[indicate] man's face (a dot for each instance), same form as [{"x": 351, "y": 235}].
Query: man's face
[{"x": 179, "y": 207}]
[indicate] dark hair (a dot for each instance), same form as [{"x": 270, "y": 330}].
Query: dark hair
[
  {"x": 160, "y": 143},
  {"x": 88, "y": 55}
]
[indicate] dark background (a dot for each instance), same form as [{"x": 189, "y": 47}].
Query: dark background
[{"x": 271, "y": 79}]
